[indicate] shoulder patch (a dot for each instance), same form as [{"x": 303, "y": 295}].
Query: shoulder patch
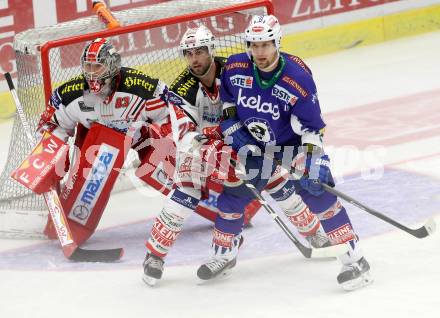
[
  {"x": 290, "y": 81},
  {"x": 301, "y": 63},
  {"x": 186, "y": 85},
  {"x": 137, "y": 83},
  {"x": 236, "y": 65},
  {"x": 69, "y": 91}
]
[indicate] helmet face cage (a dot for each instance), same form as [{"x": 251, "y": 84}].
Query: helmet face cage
[
  {"x": 197, "y": 38},
  {"x": 264, "y": 28},
  {"x": 100, "y": 60}
]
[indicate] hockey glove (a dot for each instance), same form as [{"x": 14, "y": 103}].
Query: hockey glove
[
  {"x": 317, "y": 171},
  {"x": 236, "y": 134}
]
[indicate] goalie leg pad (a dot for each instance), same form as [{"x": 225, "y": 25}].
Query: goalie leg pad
[
  {"x": 169, "y": 222},
  {"x": 92, "y": 178}
]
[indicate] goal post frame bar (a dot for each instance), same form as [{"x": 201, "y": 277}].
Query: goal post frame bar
[{"x": 46, "y": 47}]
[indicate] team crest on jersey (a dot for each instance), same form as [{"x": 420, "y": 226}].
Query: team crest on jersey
[
  {"x": 284, "y": 95},
  {"x": 242, "y": 81},
  {"x": 260, "y": 130},
  {"x": 122, "y": 102}
]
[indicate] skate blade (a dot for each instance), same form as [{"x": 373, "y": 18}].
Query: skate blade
[
  {"x": 362, "y": 281},
  {"x": 330, "y": 251},
  {"x": 150, "y": 281}
]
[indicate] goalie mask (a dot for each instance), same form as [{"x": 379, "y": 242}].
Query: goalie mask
[{"x": 100, "y": 63}]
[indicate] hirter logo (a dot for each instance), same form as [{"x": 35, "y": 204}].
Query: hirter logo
[{"x": 257, "y": 29}]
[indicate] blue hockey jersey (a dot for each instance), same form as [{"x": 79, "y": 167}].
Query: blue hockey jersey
[{"x": 286, "y": 113}]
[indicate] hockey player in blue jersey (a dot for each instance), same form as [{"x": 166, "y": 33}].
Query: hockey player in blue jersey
[{"x": 271, "y": 109}]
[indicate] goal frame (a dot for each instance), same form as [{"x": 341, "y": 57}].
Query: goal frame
[{"x": 45, "y": 48}]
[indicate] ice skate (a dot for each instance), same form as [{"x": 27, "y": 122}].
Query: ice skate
[
  {"x": 216, "y": 268},
  {"x": 220, "y": 265},
  {"x": 355, "y": 275},
  {"x": 153, "y": 269}
]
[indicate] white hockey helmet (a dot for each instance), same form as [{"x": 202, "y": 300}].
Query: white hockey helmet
[
  {"x": 197, "y": 37},
  {"x": 263, "y": 28}
]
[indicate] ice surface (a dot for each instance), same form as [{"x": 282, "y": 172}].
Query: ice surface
[{"x": 386, "y": 96}]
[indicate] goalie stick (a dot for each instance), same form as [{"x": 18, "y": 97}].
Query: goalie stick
[{"x": 69, "y": 247}]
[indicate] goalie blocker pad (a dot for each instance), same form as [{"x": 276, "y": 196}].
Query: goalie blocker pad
[
  {"x": 100, "y": 154},
  {"x": 44, "y": 166}
]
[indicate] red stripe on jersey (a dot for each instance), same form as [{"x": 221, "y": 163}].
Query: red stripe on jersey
[
  {"x": 131, "y": 107},
  {"x": 139, "y": 112},
  {"x": 153, "y": 101},
  {"x": 153, "y": 107},
  {"x": 159, "y": 102}
]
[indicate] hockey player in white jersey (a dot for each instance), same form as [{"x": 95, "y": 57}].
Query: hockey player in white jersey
[
  {"x": 109, "y": 109},
  {"x": 270, "y": 104},
  {"x": 197, "y": 91}
]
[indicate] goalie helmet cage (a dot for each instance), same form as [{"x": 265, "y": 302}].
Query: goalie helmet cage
[{"x": 148, "y": 40}]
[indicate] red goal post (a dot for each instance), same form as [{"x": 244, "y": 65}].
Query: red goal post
[
  {"x": 45, "y": 49},
  {"x": 147, "y": 40}
]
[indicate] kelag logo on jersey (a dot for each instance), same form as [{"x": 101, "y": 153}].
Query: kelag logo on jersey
[
  {"x": 242, "y": 81},
  {"x": 260, "y": 130},
  {"x": 254, "y": 102},
  {"x": 95, "y": 181},
  {"x": 284, "y": 95}
]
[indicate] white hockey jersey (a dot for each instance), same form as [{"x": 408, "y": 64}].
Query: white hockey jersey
[{"x": 137, "y": 98}]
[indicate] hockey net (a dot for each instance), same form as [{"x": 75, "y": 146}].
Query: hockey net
[{"x": 148, "y": 40}]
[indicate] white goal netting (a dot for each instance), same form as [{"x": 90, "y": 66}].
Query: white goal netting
[{"x": 152, "y": 49}]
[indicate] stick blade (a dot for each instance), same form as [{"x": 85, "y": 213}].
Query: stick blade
[
  {"x": 329, "y": 252},
  {"x": 430, "y": 226},
  {"x": 428, "y": 229},
  {"x": 101, "y": 256}
]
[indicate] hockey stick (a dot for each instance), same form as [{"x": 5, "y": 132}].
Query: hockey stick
[
  {"x": 308, "y": 252},
  {"x": 421, "y": 232},
  {"x": 69, "y": 247}
]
